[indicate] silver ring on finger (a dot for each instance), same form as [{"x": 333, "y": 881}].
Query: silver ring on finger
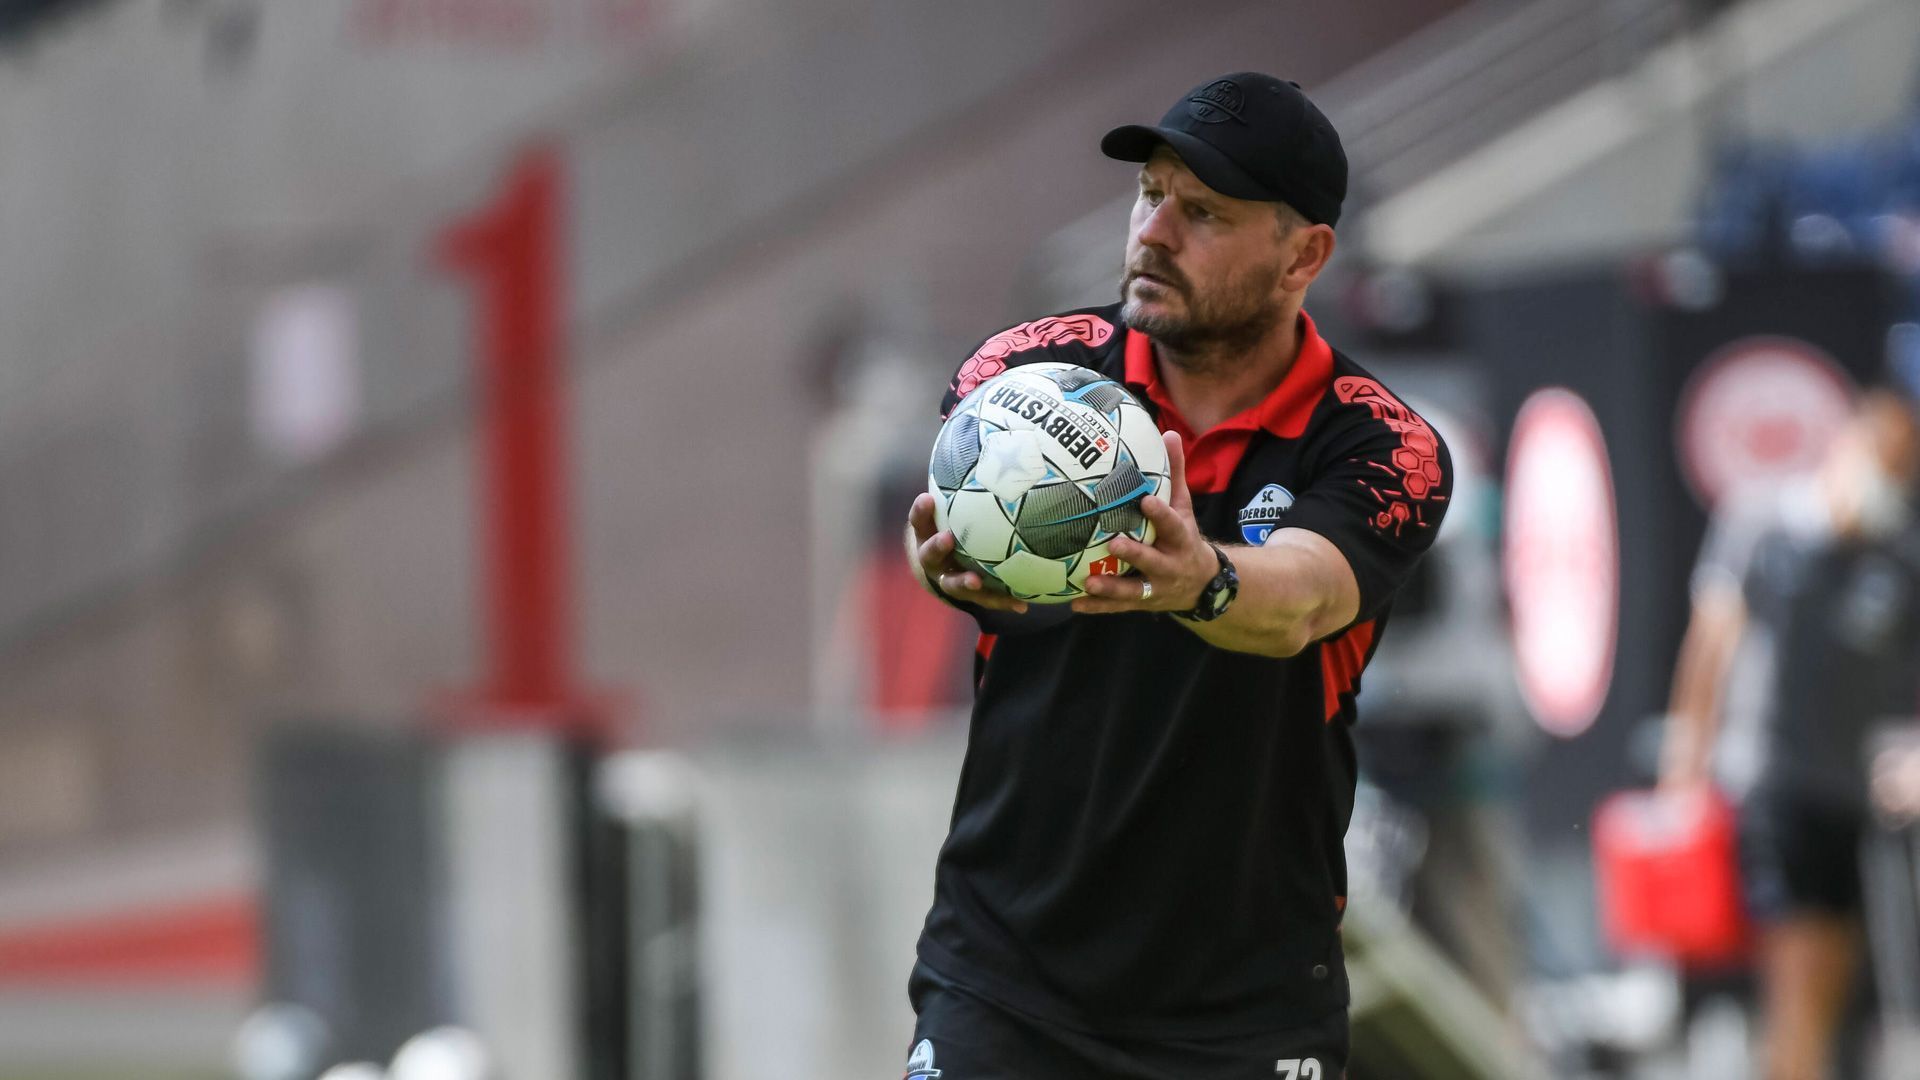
[{"x": 1146, "y": 590}]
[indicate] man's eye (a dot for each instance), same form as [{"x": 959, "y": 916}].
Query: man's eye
[
  {"x": 1201, "y": 213},
  {"x": 1151, "y": 196}
]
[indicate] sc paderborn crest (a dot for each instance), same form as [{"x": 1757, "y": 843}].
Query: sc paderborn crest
[
  {"x": 1259, "y": 517},
  {"x": 1217, "y": 102},
  {"x": 920, "y": 1062}
]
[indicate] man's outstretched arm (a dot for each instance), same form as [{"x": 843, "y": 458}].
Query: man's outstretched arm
[{"x": 1294, "y": 590}]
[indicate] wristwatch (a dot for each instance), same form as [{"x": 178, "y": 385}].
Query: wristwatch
[{"x": 1218, "y": 594}]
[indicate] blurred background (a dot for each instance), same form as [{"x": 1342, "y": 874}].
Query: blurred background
[{"x": 452, "y": 457}]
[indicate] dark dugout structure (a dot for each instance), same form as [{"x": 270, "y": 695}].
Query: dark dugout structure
[{"x": 1698, "y": 375}]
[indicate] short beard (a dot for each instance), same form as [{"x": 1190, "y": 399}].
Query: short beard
[{"x": 1218, "y": 328}]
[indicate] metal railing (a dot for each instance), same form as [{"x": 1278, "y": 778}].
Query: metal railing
[{"x": 1417, "y": 106}]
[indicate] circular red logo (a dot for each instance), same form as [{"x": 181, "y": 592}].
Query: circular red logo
[
  {"x": 1758, "y": 410},
  {"x": 1562, "y": 560}
]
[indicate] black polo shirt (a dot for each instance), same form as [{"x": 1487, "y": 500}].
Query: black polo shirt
[{"x": 1147, "y": 834}]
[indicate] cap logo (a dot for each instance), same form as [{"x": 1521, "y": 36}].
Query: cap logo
[{"x": 1217, "y": 102}]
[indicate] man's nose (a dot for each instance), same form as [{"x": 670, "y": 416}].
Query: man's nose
[{"x": 1161, "y": 229}]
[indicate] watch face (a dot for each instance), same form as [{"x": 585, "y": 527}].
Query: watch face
[
  {"x": 1220, "y": 591},
  {"x": 1222, "y": 596}
]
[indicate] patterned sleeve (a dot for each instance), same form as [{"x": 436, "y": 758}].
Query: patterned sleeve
[
  {"x": 1023, "y": 344},
  {"x": 1382, "y": 494}
]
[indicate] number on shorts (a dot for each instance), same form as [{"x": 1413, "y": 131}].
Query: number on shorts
[{"x": 1298, "y": 1068}]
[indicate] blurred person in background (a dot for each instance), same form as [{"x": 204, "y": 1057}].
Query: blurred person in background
[
  {"x": 1896, "y": 784},
  {"x": 1804, "y": 633},
  {"x": 1144, "y": 874}
]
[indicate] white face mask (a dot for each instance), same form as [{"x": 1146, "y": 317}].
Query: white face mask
[{"x": 1883, "y": 503}]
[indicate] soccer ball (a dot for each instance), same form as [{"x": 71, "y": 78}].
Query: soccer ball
[{"x": 1037, "y": 470}]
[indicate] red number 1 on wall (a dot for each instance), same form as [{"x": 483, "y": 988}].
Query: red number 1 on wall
[{"x": 512, "y": 251}]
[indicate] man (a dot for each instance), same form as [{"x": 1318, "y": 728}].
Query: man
[
  {"x": 1144, "y": 875},
  {"x": 1805, "y": 632}
]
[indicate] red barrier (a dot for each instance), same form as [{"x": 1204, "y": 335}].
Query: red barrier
[
  {"x": 213, "y": 942},
  {"x": 1668, "y": 873}
]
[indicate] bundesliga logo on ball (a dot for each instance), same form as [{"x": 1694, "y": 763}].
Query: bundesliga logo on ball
[{"x": 1037, "y": 470}]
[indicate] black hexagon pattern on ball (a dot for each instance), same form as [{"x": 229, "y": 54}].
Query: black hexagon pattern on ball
[
  {"x": 1074, "y": 378},
  {"x": 1055, "y": 521},
  {"x": 1105, "y": 397},
  {"x": 956, "y": 451},
  {"x": 1125, "y": 518}
]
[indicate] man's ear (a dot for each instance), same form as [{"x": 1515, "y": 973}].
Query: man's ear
[{"x": 1313, "y": 246}]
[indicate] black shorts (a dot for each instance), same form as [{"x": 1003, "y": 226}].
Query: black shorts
[
  {"x": 962, "y": 1036},
  {"x": 1799, "y": 856}
]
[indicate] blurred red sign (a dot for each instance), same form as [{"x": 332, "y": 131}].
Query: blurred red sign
[
  {"x": 1758, "y": 410},
  {"x": 1562, "y": 560}
]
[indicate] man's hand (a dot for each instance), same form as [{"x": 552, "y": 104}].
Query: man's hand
[
  {"x": 1174, "y": 570},
  {"x": 932, "y": 554}
]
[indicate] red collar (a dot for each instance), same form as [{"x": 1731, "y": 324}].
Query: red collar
[{"x": 1284, "y": 411}]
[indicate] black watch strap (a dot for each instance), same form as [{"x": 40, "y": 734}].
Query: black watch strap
[{"x": 1219, "y": 593}]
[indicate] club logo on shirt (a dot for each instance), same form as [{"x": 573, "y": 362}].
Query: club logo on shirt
[
  {"x": 920, "y": 1062},
  {"x": 1259, "y": 517}
]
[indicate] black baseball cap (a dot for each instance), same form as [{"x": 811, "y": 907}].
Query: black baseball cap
[{"x": 1250, "y": 136}]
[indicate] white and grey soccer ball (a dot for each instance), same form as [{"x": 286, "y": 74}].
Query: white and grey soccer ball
[{"x": 1038, "y": 470}]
